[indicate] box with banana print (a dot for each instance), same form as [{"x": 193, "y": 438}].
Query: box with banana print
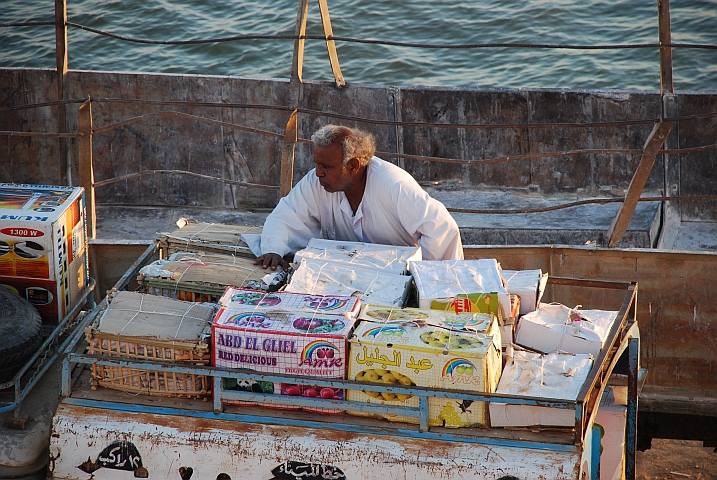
[{"x": 428, "y": 348}]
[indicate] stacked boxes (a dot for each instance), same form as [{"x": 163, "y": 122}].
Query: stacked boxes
[
  {"x": 427, "y": 348},
  {"x": 284, "y": 333},
  {"x": 555, "y": 327},
  {"x": 43, "y": 247}
]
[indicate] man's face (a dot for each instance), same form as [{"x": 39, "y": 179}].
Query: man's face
[{"x": 333, "y": 174}]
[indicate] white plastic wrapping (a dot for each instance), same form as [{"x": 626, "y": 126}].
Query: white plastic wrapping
[
  {"x": 444, "y": 280},
  {"x": 328, "y": 278},
  {"x": 386, "y": 258},
  {"x": 555, "y": 375}
]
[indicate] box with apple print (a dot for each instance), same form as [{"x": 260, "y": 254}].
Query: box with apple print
[
  {"x": 268, "y": 340},
  {"x": 428, "y": 348}
]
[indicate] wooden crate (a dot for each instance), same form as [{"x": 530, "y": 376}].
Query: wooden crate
[{"x": 183, "y": 349}]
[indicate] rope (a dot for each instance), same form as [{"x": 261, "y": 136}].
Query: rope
[
  {"x": 582, "y": 202},
  {"x": 307, "y": 111},
  {"x": 463, "y": 46}
]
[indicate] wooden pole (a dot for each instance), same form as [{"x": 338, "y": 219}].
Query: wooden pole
[
  {"x": 287, "y": 155},
  {"x": 87, "y": 174},
  {"x": 291, "y": 134},
  {"x": 297, "y": 64},
  {"x": 61, "y": 62},
  {"x": 330, "y": 44},
  {"x": 627, "y": 207},
  {"x": 666, "y": 79}
]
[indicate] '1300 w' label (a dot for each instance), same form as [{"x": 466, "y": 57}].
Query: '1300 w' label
[{"x": 22, "y": 232}]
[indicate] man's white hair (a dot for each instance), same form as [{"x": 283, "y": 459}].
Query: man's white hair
[{"x": 355, "y": 143}]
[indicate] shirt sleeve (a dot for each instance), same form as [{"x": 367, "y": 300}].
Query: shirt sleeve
[
  {"x": 429, "y": 222},
  {"x": 294, "y": 221}
]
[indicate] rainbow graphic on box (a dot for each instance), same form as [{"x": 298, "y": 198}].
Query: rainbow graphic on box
[
  {"x": 325, "y": 304},
  {"x": 387, "y": 330},
  {"x": 452, "y": 367},
  {"x": 310, "y": 348}
]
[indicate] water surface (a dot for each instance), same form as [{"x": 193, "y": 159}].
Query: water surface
[{"x": 577, "y": 22}]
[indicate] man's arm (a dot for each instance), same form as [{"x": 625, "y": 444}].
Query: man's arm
[{"x": 291, "y": 225}]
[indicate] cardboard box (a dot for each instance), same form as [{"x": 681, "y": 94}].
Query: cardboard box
[
  {"x": 276, "y": 341},
  {"x": 384, "y": 258},
  {"x": 240, "y": 298},
  {"x": 529, "y": 285},
  {"x": 555, "y": 375},
  {"x": 555, "y": 327},
  {"x": 330, "y": 278},
  {"x": 611, "y": 418},
  {"x": 461, "y": 286},
  {"x": 427, "y": 348},
  {"x": 43, "y": 246}
]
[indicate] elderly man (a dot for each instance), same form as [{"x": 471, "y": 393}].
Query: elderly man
[{"x": 353, "y": 196}]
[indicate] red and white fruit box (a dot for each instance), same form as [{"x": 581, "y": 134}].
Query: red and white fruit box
[
  {"x": 292, "y": 302},
  {"x": 274, "y": 341}
]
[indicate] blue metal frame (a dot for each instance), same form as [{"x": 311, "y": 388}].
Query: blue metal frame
[
  {"x": 87, "y": 298},
  {"x": 595, "y": 454}
]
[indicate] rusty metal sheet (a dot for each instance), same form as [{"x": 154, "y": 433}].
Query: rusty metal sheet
[{"x": 162, "y": 444}]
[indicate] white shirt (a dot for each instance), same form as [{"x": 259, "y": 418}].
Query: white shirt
[{"x": 394, "y": 210}]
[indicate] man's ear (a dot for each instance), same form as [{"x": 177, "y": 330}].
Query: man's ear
[{"x": 353, "y": 166}]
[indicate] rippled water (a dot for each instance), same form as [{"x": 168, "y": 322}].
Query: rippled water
[{"x": 581, "y": 22}]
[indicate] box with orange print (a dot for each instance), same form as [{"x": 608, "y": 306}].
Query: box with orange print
[
  {"x": 307, "y": 344},
  {"x": 43, "y": 246}
]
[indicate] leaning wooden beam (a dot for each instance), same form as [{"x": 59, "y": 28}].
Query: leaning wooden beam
[
  {"x": 287, "y": 155},
  {"x": 87, "y": 174},
  {"x": 297, "y": 63},
  {"x": 627, "y": 208},
  {"x": 330, "y": 44}
]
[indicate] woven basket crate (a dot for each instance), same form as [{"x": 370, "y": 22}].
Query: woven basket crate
[{"x": 149, "y": 382}]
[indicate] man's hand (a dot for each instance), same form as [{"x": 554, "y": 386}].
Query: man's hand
[{"x": 271, "y": 260}]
